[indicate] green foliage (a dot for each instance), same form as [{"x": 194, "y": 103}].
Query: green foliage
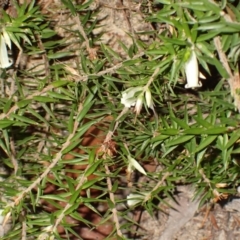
[{"x": 47, "y": 109}]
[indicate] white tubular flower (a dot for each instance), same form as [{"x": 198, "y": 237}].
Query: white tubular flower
[
  {"x": 148, "y": 98},
  {"x": 134, "y": 198},
  {"x": 129, "y": 97},
  {"x": 139, "y": 104},
  {"x": 133, "y": 164},
  {"x": 192, "y": 72},
  {"x": 4, "y": 42}
]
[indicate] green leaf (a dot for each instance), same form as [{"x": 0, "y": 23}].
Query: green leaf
[
  {"x": 200, "y": 156},
  {"x": 170, "y": 131},
  {"x": 6, "y": 123},
  {"x": 219, "y": 67},
  {"x": 174, "y": 41},
  {"x": 180, "y": 123},
  {"x": 58, "y": 96},
  {"x": 71, "y": 119},
  {"x": 23, "y": 119},
  {"x": 92, "y": 168},
  {"x": 202, "y": 122},
  {"x": 72, "y": 145},
  {"x": 164, "y": 1},
  {"x": 212, "y": 26},
  {"x": 82, "y": 130},
  {"x": 215, "y": 130},
  {"x": 60, "y": 83},
  {"x": 207, "y": 36},
  {"x": 56, "y": 197},
  {"x": 87, "y": 105},
  {"x": 72, "y": 209},
  {"x": 44, "y": 99},
  {"x": 74, "y": 197},
  {"x": 179, "y": 140},
  {"x": 24, "y": 103},
  {"x": 70, "y": 6},
  {"x": 234, "y": 137},
  {"x": 193, "y": 131},
  {"x": 38, "y": 116},
  {"x": 205, "y": 142},
  {"x": 160, "y": 137},
  {"x": 89, "y": 183}
]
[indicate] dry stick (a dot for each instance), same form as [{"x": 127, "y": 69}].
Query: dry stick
[
  {"x": 233, "y": 79},
  {"x": 206, "y": 180},
  {"x": 109, "y": 182},
  {"x": 155, "y": 73},
  {"x": 114, "y": 68},
  {"x": 81, "y": 30},
  {"x": 223, "y": 59},
  {"x": 16, "y": 107},
  {"x": 44, "y": 56},
  {"x": 24, "y": 230},
  {"x": 19, "y": 57},
  {"x": 54, "y": 162},
  {"x": 114, "y": 209}
]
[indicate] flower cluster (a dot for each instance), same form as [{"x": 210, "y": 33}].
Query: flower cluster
[{"x": 134, "y": 96}]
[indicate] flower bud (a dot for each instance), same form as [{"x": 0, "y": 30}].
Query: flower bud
[
  {"x": 148, "y": 98},
  {"x": 139, "y": 103},
  {"x": 192, "y": 73},
  {"x": 134, "y": 199}
]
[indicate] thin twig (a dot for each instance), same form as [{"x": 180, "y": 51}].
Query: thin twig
[
  {"x": 24, "y": 230},
  {"x": 206, "y": 180},
  {"x": 44, "y": 57},
  {"x": 52, "y": 86},
  {"x": 151, "y": 79},
  {"x": 114, "y": 209},
  {"x": 112, "y": 69},
  {"x": 222, "y": 56},
  {"x": 81, "y": 30},
  {"x": 104, "y": 149},
  {"x": 83, "y": 178},
  {"x": 16, "y": 107},
  {"x": 233, "y": 79}
]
